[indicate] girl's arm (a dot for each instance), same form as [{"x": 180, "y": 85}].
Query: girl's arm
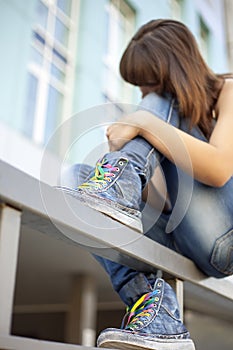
[{"x": 210, "y": 163}]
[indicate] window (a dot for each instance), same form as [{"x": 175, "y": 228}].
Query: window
[
  {"x": 49, "y": 87},
  {"x": 204, "y": 38},
  {"x": 121, "y": 27},
  {"x": 29, "y": 115}
]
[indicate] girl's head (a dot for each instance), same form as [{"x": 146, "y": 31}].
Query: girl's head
[{"x": 163, "y": 56}]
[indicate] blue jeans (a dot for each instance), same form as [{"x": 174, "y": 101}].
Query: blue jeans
[{"x": 202, "y": 227}]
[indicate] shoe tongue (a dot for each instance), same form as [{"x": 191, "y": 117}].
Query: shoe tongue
[{"x": 135, "y": 288}]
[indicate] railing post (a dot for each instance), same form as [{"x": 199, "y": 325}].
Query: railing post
[
  {"x": 10, "y": 219},
  {"x": 81, "y": 317},
  {"x": 178, "y": 286}
]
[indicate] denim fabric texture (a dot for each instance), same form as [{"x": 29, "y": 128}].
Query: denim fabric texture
[
  {"x": 114, "y": 197},
  {"x": 120, "y": 197},
  {"x": 159, "y": 327},
  {"x": 205, "y": 234}
]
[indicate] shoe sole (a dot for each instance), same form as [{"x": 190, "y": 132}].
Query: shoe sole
[
  {"x": 132, "y": 341},
  {"x": 107, "y": 207}
]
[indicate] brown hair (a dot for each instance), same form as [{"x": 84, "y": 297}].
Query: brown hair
[{"x": 164, "y": 54}]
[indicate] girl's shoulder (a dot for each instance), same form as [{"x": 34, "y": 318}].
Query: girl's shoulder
[
  {"x": 225, "y": 99},
  {"x": 228, "y": 80},
  {"x": 227, "y": 87}
]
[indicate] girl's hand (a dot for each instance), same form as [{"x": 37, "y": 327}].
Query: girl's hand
[{"x": 120, "y": 133}]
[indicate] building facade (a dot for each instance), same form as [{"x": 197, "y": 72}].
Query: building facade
[
  {"x": 59, "y": 70},
  {"x": 61, "y": 57}
]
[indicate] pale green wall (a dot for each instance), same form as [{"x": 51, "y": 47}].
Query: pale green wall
[
  {"x": 16, "y": 18},
  {"x": 92, "y": 42},
  {"x": 16, "y": 23},
  {"x": 90, "y": 49}
]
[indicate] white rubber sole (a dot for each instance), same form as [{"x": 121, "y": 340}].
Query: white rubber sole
[
  {"x": 132, "y": 341},
  {"x": 107, "y": 207}
]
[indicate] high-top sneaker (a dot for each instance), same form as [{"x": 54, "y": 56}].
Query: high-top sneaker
[
  {"x": 114, "y": 189},
  {"x": 153, "y": 322}
]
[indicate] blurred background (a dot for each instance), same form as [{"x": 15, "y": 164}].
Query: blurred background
[{"x": 59, "y": 59}]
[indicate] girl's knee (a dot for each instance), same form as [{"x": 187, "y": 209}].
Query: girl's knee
[{"x": 161, "y": 106}]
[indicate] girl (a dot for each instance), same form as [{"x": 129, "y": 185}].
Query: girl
[{"x": 184, "y": 124}]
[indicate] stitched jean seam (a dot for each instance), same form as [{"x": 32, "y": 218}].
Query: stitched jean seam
[{"x": 228, "y": 267}]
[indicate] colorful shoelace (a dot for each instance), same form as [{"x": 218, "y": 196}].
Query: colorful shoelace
[
  {"x": 103, "y": 172},
  {"x": 140, "y": 310}
]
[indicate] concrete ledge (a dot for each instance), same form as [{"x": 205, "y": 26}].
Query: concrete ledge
[
  {"x": 49, "y": 211},
  {"x": 20, "y": 343}
]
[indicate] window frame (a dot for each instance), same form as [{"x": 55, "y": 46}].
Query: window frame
[
  {"x": 43, "y": 73},
  {"x": 114, "y": 88}
]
